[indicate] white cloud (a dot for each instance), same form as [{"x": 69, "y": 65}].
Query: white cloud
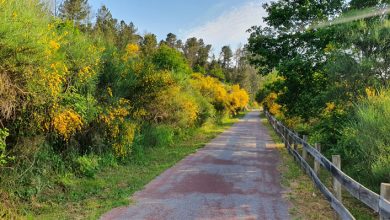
[{"x": 230, "y": 27}]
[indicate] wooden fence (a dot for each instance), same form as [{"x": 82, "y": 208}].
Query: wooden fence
[{"x": 378, "y": 203}]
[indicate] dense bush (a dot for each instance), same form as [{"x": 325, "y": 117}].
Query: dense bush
[
  {"x": 316, "y": 78},
  {"x": 224, "y": 98},
  {"x": 365, "y": 140},
  {"x": 72, "y": 102}
]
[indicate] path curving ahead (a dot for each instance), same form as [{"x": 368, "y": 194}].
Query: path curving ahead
[{"x": 234, "y": 176}]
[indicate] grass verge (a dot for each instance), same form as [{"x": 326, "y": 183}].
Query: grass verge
[
  {"x": 306, "y": 201},
  {"x": 89, "y": 198}
]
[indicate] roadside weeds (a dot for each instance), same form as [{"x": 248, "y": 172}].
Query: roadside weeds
[{"x": 306, "y": 201}]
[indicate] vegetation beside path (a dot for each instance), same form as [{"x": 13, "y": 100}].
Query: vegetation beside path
[
  {"x": 307, "y": 202},
  {"x": 88, "y": 198},
  {"x": 84, "y": 104}
]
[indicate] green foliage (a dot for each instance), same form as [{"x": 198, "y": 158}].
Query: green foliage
[
  {"x": 17, "y": 83},
  {"x": 76, "y": 98},
  {"x": 303, "y": 73},
  {"x": 3, "y": 157},
  {"x": 206, "y": 111},
  {"x": 87, "y": 165},
  {"x": 326, "y": 60},
  {"x": 226, "y": 54},
  {"x": 167, "y": 58},
  {"x": 76, "y": 11},
  {"x": 365, "y": 141},
  {"x": 196, "y": 52},
  {"x": 157, "y": 136}
]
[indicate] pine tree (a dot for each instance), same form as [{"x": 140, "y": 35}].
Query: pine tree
[{"x": 77, "y": 11}]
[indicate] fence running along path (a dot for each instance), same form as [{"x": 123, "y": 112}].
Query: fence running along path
[{"x": 378, "y": 203}]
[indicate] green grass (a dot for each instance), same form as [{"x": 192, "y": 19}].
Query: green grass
[
  {"x": 357, "y": 208},
  {"x": 301, "y": 188},
  {"x": 88, "y": 198},
  {"x": 306, "y": 200}
]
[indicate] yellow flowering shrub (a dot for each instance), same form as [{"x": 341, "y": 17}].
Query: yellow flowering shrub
[
  {"x": 115, "y": 116},
  {"x": 120, "y": 130},
  {"x": 370, "y": 92},
  {"x": 67, "y": 123},
  {"x": 221, "y": 96},
  {"x": 191, "y": 109},
  {"x": 54, "y": 45},
  {"x": 330, "y": 106},
  {"x": 122, "y": 146},
  {"x": 273, "y": 107},
  {"x": 212, "y": 88},
  {"x": 238, "y": 99},
  {"x": 131, "y": 51},
  {"x": 109, "y": 91},
  {"x": 172, "y": 106}
]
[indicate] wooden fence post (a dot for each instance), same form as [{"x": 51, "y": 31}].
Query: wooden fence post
[
  {"x": 285, "y": 136},
  {"x": 336, "y": 184},
  {"x": 385, "y": 194},
  {"x": 295, "y": 143},
  {"x": 304, "y": 152},
  {"x": 316, "y": 163},
  {"x": 290, "y": 140}
]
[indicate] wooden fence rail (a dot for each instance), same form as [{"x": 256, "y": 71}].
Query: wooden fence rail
[{"x": 379, "y": 204}]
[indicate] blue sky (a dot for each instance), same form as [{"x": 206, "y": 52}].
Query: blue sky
[{"x": 218, "y": 22}]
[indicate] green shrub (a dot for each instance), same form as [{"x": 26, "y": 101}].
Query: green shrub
[
  {"x": 108, "y": 160},
  {"x": 3, "y": 135},
  {"x": 206, "y": 112},
  {"x": 157, "y": 135},
  {"x": 87, "y": 165},
  {"x": 365, "y": 140}
]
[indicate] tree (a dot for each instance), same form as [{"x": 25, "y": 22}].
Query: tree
[
  {"x": 191, "y": 48},
  {"x": 226, "y": 57},
  {"x": 171, "y": 40},
  {"x": 203, "y": 54},
  {"x": 127, "y": 34},
  {"x": 149, "y": 44},
  {"x": 167, "y": 58},
  {"x": 197, "y": 53},
  {"x": 242, "y": 73},
  {"x": 179, "y": 45},
  {"x": 296, "y": 51},
  {"x": 77, "y": 11},
  {"x": 215, "y": 70},
  {"x": 361, "y": 4},
  {"x": 106, "y": 25}
]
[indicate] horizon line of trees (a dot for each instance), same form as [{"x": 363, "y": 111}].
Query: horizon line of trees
[{"x": 227, "y": 66}]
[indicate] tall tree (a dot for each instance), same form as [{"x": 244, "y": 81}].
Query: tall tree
[
  {"x": 190, "y": 49},
  {"x": 203, "y": 54},
  {"x": 295, "y": 51},
  {"x": 171, "y": 40},
  {"x": 106, "y": 24},
  {"x": 226, "y": 56},
  {"x": 127, "y": 34},
  {"x": 77, "y": 11},
  {"x": 214, "y": 69},
  {"x": 197, "y": 53},
  {"x": 149, "y": 44}
]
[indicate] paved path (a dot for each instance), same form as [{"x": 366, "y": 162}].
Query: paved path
[{"x": 233, "y": 177}]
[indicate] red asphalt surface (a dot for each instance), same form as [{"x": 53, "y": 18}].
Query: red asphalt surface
[{"x": 234, "y": 176}]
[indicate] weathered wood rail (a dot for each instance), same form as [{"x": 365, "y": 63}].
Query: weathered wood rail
[{"x": 379, "y": 204}]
